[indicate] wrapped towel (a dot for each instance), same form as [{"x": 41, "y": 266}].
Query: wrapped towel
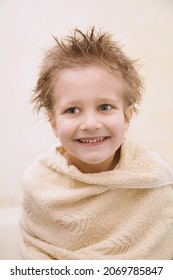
[{"x": 126, "y": 213}]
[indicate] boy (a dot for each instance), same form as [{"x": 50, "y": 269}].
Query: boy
[{"x": 97, "y": 195}]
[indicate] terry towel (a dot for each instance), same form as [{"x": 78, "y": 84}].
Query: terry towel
[{"x": 126, "y": 213}]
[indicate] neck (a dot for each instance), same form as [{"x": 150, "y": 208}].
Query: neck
[{"x": 84, "y": 167}]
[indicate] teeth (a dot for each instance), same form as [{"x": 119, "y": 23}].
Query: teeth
[{"x": 91, "y": 140}]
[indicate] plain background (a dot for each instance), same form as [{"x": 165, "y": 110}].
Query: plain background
[{"x": 143, "y": 27}]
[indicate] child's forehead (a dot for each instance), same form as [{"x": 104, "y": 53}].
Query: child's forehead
[
  {"x": 87, "y": 83},
  {"x": 88, "y": 75}
]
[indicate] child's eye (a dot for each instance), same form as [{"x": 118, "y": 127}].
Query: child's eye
[
  {"x": 72, "y": 110},
  {"x": 105, "y": 107}
]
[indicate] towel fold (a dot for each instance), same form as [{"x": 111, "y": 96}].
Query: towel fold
[{"x": 126, "y": 213}]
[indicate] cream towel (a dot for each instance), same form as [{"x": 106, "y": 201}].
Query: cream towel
[{"x": 126, "y": 213}]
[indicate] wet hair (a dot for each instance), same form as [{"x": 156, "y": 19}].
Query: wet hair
[{"x": 85, "y": 49}]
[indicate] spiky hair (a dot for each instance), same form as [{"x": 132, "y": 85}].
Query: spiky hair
[{"x": 84, "y": 49}]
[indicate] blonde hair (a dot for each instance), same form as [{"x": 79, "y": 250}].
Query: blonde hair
[{"x": 82, "y": 49}]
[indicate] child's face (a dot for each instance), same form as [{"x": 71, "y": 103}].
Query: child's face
[{"x": 89, "y": 117}]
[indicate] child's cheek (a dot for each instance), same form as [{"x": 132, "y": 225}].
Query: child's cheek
[{"x": 66, "y": 127}]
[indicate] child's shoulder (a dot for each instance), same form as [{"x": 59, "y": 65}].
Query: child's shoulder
[
  {"x": 147, "y": 165},
  {"x": 132, "y": 151},
  {"x": 47, "y": 162},
  {"x": 139, "y": 151}
]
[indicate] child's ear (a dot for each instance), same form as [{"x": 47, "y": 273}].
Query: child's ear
[
  {"x": 53, "y": 124},
  {"x": 128, "y": 116}
]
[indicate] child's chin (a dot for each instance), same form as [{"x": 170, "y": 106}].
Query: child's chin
[{"x": 93, "y": 162}]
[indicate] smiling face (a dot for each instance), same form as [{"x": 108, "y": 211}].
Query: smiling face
[{"x": 89, "y": 117}]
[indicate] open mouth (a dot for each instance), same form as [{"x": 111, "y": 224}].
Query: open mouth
[{"x": 92, "y": 140}]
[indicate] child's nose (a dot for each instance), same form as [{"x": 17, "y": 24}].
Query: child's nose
[{"x": 90, "y": 122}]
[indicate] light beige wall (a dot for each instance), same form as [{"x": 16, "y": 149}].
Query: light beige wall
[{"x": 144, "y": 27}]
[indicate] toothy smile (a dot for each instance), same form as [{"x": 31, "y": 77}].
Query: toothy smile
[{"x": 91, "y": 140}]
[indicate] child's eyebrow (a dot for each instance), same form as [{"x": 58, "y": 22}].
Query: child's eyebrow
[
  {"x": 108, "y": 100},
  {"x": 76, "y": 102},
  {"x": 70, "y": 103}
]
